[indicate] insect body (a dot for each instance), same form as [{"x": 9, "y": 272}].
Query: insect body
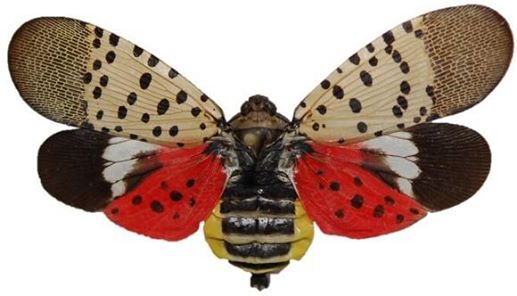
[
  {"x": 360, "y": 157},
  {"x": 259, "y": 225}
]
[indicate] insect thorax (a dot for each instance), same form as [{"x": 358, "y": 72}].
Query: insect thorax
[{"x": 258, "y": 124}]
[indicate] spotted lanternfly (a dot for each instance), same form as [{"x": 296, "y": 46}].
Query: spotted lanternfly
[{"x": 359, "y": 157}]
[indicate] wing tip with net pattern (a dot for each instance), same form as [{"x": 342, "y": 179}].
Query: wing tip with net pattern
[
  {"x": 38, "y": 65},
  {"x": 473, "y": 58}
]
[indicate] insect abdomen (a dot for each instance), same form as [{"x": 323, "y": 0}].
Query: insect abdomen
[{"x": 259, "y": 228}]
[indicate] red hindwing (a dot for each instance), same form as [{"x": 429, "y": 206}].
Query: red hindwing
[
  {"x": 170, "y": 202},
  {"x": 344, "y": 198}
]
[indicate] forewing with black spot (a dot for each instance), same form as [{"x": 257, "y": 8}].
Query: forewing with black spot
[
  {"x": 159, "y": 191},
  {"x": 82, "y": 75},
  {"x": 434, "y": 65}
]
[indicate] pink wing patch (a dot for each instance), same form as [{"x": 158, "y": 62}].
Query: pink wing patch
[
  {"x": 170, "y": 202},
  {"x": 345, "y": 199}
]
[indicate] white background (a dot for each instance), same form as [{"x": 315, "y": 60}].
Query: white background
[{"x": 232, "y": 50}]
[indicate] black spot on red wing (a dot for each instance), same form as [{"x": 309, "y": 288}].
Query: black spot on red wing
[
  {"x": 192, "y": 202},
  {"x": 378, "y": 211},
  {"x": 131, "y": 98},
  {"x": 114, "y": 39},
  {"x": 319, "y": 173},
  {"x": 414, "y": 211},
  {"x": 115, "y": 211},
  {"x": 366, "y": 78},
  {"x": 389, "y": 200},
  {"x": 354, "y": 59},
  {"x": 164, "y": 185},
  {"x": 110, "y": 56},
  {"x": 157, "y": 131},
  {"x": 338, "y": 92},
  {"x": 399, "y": 218},
  {"x": 358, "y": 181},
  {"x": 362, "y": 127},
  {"x": 357, "y": 201},
  {"x": 145, "y": 80},
  {"x": 152, "y": 61},
  {"x": 340, "y": 213},
  {"x": 157, "y": 206},
  {"x": 334, "y": 186},
  {"x": 181, "y": 97},
  {"x": 325, "y": 84},
  {"x": 136, "y": 200},
  {"x": 355, "y": 105},
  {"x": 408, "y": 27},
  {"x": 162, "y": 107},
  {"x": 137, "y": 51},
  {"x": 322, "y": 109},
  {"x": 175, "y": 195},
  {"x": 176, "y": 216},
  {"x": 122, "y": 112},
  {"x": 190, "y": 182}
]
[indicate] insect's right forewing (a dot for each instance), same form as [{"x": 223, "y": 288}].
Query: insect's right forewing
[{"x": 434, "y": 65}]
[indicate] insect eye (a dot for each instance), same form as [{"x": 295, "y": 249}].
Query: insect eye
[{"x": 245, "y": 109}]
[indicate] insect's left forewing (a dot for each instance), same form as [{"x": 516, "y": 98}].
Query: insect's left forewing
[
  {"x": 434, "y": 65},
  {"x": 387, "y": 183},
  {"x": 82, "y": 75}
]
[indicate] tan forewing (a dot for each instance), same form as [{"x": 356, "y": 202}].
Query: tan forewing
[
  {"x": 434, "y": 65},
  {"x": 82, "y": 75}
]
